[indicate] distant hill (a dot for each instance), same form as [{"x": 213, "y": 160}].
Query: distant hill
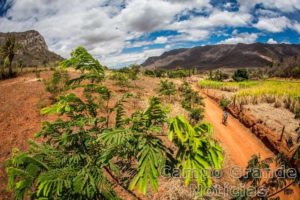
[
  {"x": 34, "y": 51},
  {"x": 224, "y": 56}
]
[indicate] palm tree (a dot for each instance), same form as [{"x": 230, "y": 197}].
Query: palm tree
[{"x": 8, "y": 51}]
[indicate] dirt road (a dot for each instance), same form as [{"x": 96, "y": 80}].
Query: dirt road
[{"x": 237, "y": 141}]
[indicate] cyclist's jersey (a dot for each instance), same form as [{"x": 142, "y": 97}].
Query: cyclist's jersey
[{"x": 225, "y": 115}]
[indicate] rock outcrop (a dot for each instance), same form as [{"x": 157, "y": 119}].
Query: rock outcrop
[{"x": 33, "y": 49}]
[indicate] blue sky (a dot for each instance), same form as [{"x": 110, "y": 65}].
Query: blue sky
[{"x": 122, "y": 32}]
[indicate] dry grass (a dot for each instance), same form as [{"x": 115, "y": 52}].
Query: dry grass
[{"x": 283, "y": 93}]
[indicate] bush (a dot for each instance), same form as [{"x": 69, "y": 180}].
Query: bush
[
  {"x": 224, "y": 103},
  {"x": 240, "y": 75},
  {"x": 218, "y": 75},
  {"x": 181, "y": 73},
  {"x": 122, "y": 79},
  {"x": 155, "y": 73},
  {"x": 167, "y": 88},
  {"x": 196, "y": 115},
  {"x": 57, "y": 83}
]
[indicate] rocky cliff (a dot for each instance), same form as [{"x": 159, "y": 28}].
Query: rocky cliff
[{"x": 33, "y": 49}]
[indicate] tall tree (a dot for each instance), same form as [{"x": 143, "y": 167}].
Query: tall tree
[{"x": 8, "y": 51}]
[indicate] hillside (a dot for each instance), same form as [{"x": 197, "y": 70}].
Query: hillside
[
  {"x": 34, "y": 50},
  {"x": 224, "y": 55}
]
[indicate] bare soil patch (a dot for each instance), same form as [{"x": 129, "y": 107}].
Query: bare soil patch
[{"x": 275, "y": 118}]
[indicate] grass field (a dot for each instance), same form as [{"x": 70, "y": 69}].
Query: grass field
[{"x": 281, "y": 92}]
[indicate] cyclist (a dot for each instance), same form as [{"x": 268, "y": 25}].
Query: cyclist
[{"x": 225, "y": 117}]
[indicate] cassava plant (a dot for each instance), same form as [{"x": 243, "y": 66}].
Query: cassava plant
[
  {"x": 192, "y": 102},
  {"x": 69, "y": 164},
  {"x": 57, "y": 83},
  {"x": 121, "y": 79},
  {"x": 167, "y": 88}
]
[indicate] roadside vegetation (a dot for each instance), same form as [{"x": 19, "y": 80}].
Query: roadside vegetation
[
  {"x": 177, "y": 73},
  {"x": 282, "y": 92}
]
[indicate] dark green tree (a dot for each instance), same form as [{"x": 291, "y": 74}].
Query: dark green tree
[
  {"x": 240, "y": 75},
  {"x": 9, "y": 50}
]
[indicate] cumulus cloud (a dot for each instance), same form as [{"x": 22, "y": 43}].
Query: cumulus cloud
[
  {"x": 272, "y": 41},
  {"x": 246, "y": 38},
  {"x": 296, "y": 27},
  {"x": 282, "y": 5},
  {"x": 216, "y": 19},
  {"x": 161, "y": 40},
  {"x": 124, "y": 59},
  {"x": 276, "y": 24},
  {"x": 107, "y": 28}
]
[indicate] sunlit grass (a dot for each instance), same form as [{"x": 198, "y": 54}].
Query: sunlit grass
[
  {"x": 282, "y": 92},
  {"x": 227, "y": 86}
]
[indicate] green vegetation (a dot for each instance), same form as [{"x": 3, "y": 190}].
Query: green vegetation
[
  {"x": 217, "y": 75},
  {"x": 227, "y": 86},
  {"x": 177, "y": 73},
  {"x": 121, "y": 79},
  {"x": 81, "y": 153},
  {"x": 241, "y": 75},
  {"x": 57, "y": 83},
  {"x": 258, "y": 187},
  {"x": 7, "y": 53},
  {"x": 192, "y": 102},
  {"x": 224, "y": 103},
  {"x": 124, "y": 75},
  {"x": 167, "y": 88},
  {"x": 270, "y": 91}
]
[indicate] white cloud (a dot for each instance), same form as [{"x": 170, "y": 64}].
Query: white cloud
[
  {"x": 121, "y": 60},
  {"x": 107, "y": 27},
  {"x": 272, "y": 41},
  {"x": 241, "y": 38},
  {"x": 103, "y": 30},
  {"x": 276, "y": 24},
  {"x": 216, "y": 19},
  {"x": 296, "y": 27},
  {"x": 282, "y": 5},
  {"x": 161, "y": 40}
]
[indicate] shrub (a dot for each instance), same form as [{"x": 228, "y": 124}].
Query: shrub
[
  {"x": 224, "y": 103},
  {"x": 240, "y": 75},
  {"x": 167, "y": 88},
  {"x": 196, "y": 115},
  {"x": 192, "y": 102},
  {"x": 181, "y": 73},
  {"x": 155, "y": 73},
  {"x": 57, "y": 83},
  {"x": 218, "y": 75},
  {"x": 121, "y": 79}
]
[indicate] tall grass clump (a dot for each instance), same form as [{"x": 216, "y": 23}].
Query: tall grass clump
[
  {"x": 272, "y": 91},
  {"x": 280, "y": 92},
  {"x": 226, "y": 86}
]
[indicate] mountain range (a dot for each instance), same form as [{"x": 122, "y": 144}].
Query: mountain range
[{"x": 224, "y": 56}]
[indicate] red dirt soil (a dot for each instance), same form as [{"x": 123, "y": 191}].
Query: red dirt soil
[
  {"x": 19, "y": 117},
  {"x": 237, "y": 141}
]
